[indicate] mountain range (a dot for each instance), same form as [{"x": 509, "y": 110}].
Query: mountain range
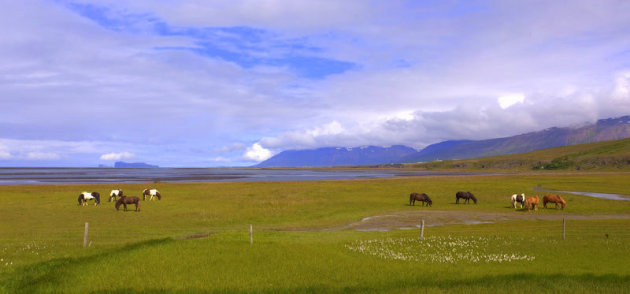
[{"x": 602, "y": 130}]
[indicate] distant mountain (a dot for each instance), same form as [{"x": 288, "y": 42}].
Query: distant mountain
[
  {"x": 603, "y": 130},
  {"x": 121, "y": 164},
  {"x": 335, "y": 156}
]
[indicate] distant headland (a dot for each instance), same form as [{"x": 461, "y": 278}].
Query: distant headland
[{"x": 122, "y": 164}]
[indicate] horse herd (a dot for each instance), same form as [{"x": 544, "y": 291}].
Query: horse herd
[
  {"x": 123, "y": 200},
  {"x": 531, "y": 203}
]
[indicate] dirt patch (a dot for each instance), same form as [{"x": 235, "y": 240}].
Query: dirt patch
[{"x": 432, "y": 218}]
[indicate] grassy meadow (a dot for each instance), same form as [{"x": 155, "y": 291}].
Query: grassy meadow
[{"x": 196, "y": 239}]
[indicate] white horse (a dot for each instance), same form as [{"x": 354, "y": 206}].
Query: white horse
[
  {"x": 85, "y": 196},
  {"x": 518, "y": 198},
  {"x": 152, "y": 193},
  {"x": 114, "y": 194}
]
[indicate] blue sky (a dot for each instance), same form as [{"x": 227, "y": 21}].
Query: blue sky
[{"x": 230, "y": 83}]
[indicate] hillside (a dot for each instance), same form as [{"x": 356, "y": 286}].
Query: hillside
[
  {"x": 606, "y": 155},
  {"x": 603, "y": 130},
  {"x": 332, "y": 156}
]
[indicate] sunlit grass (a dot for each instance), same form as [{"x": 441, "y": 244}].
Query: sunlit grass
[{"x": 300, "y": 244}]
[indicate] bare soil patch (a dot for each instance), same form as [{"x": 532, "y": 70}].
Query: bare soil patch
[{"x": 432, "y": 218}]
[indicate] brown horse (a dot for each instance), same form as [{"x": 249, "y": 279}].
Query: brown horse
[
  {"x": 554, "y": 199},
  {"x": 466, "y": 196},
  {"x": 532, "y": 203},
  {"x": 420, "y": 197},
  {"x": 124, "y": 200}
]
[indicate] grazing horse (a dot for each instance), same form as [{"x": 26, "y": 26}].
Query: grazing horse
[
  {"x": 114, "y": 194},
  {"x": 85, "y": 196},
  {"x": 420, "y": 197},
  {"x": 152, "y": 193},
  {"x": 124, "y": 200},
  {"x": 518, "y": 198},
  {"x": 554, "y": 199},
  {"x": 532, "y": 203},
  {"x": 466, "y": 196}
]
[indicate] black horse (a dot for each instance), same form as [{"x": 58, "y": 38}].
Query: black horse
[
  {"x": 124, "y": 200},
  {"x": 420, "y": 197},
  {"x": 466, "y": 196}
]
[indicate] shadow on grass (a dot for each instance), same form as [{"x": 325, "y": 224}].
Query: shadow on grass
[
  {"x": 29, "y": 278},
  {"x": 513, "y": 283}
]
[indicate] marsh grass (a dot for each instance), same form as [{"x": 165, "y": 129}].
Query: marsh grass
[{"x": 295, "y": 249}]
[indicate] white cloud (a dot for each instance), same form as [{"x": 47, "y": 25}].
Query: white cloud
[
  {"x": 425, "y": 73},
  {"x": 5, "y": 155},
  {"x": 42, "y": 156},
  {"x": 257, "y": 153},
  {"x": 117, "y": 156},
  {"x": 510, "y": 99}
]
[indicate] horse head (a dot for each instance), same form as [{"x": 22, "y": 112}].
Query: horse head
[
  {"x": 120, "y": 201},
  {"x": 472, "y": 197},
  {"x": 97, "y": 198}
]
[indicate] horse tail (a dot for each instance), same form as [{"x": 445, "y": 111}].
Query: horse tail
[{"x": 410, "y": 198}]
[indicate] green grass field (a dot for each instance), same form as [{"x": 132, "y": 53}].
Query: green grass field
[{"x": 197, "y": 238}]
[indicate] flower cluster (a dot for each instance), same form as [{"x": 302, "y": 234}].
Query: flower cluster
[{"x": 440, "y": 249}]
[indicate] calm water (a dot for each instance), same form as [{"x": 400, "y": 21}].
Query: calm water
[
  {"x": 590, "y": 194},
  {"x": 25, "y": 176}
]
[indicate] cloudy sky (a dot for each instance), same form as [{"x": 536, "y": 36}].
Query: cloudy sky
[{"x": 230, "y": 83}]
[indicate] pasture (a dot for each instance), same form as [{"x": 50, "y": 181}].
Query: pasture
[{"x": 321, "y": 236}]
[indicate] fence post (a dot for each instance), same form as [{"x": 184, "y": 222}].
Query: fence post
[
  {"x": 422, "y": 230},
  {"x": 251, "y": 234},
  {"x": 85, "y": 234},
  {"x": 563, "y": 228}
]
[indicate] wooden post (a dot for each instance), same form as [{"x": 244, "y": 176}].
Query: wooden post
[
  {"x": 563, "y": 228},
  {"x": 422, "y": 230},
  {"x": 85, "y": 233},
  {"x": 251, "y": 234}
]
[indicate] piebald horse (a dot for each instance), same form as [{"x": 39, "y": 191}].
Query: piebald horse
[
  {"x": 85, "y": 196},
  {"x": 152, "y": 193},
  {"x": 114, "y": 194},
  {"x": 518, "y": 198}
]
